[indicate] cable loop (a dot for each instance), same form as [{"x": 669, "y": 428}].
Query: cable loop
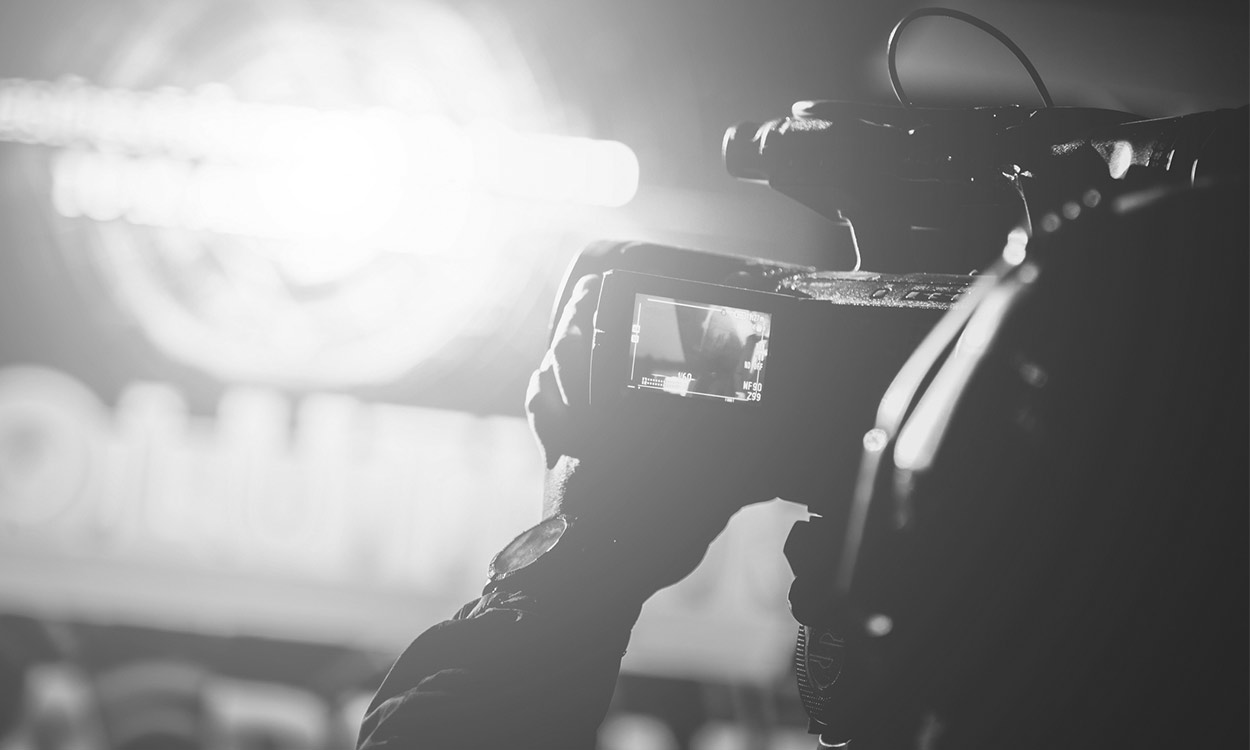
[{"x": 892, "y": 50}]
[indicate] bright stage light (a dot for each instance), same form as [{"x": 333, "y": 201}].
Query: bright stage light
[
  {"x": 572, "y": 170},
  {"x": 291, "y": 172},
  {"x": 299, "y": 197}
]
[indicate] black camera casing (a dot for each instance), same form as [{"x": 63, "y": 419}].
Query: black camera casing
[{"x": 836, "y": 342}]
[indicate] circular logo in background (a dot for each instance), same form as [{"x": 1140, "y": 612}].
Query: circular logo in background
[{"x": 299, "y": 194}]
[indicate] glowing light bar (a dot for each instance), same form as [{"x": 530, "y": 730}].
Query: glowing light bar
[
  {"x": 206, "y": 161},
  {"x": 556, "y": 168}
]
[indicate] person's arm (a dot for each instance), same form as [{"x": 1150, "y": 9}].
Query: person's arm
[
  {"x": 534, "y": 662},
  {"x": 508, "y": 671}
]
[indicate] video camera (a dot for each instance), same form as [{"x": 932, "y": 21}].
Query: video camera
[
  {"x": 774, "y": 359},
  {"x": 967, "y": 443},
  {"x": 851, "y": 386},
  {"x": 792, "y": 359}
]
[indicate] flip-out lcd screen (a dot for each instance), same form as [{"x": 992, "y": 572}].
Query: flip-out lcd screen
[{"x": 698, "y": 350}]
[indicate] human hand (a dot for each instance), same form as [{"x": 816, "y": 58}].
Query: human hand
[
  {"x": 558, "y": 399},
  {"x": 662, "y": 483}
]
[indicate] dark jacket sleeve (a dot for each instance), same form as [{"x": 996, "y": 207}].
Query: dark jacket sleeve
[{"x": 505, "y": 671}]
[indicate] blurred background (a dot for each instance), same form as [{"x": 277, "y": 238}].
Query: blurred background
[{"x": 272, "y": 280}]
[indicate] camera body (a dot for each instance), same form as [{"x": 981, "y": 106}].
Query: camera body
[
  {"x": 801, "y": 393},
  {"x": 791, "y": 365}
]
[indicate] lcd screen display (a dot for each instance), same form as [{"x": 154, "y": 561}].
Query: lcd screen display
[{"x": 698, "y": 350}]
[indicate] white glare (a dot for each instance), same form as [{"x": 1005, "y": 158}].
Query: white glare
[
  {"x": 875, "y": 440},
  {"x": 300, "y": 204},
  {"x": 879, "y": 625},
  {"x": 1120, "y": 159},
  {"x": 1014, "y": 251},
  {"x": 294, "y": 172}
]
